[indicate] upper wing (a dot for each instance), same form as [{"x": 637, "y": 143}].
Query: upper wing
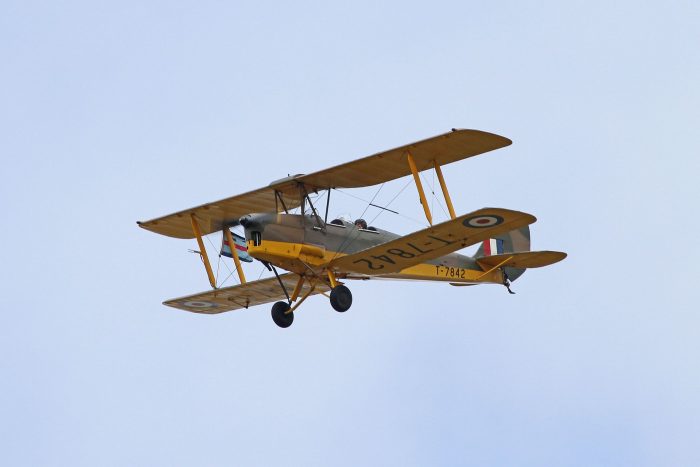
[
  {"x": 522, "y": 260},
  {"x": 219, "y": 214},
  {"x": 371, "y": 170},
  {"x": 433, "y": 242},
  {"x": 241, "y": 296},
  {"x": 389, "y": 165}
]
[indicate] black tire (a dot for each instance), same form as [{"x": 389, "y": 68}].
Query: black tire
[
  {"x": 341, "y": 298},
  {"x": 279, "y": 317}
]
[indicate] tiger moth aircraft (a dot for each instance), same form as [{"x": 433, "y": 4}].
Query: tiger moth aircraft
[{"x": 321, "y": 256}]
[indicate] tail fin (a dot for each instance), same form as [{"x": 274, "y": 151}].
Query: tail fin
[{"x": 510, "y": 242}]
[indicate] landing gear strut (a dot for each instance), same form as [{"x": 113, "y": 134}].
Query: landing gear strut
[
  {"x": 341, "y": 298},
  {"x": 283, "y": 312}
]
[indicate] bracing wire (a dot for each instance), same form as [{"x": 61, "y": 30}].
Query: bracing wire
[
  {"x": 392, "y": 200},
  {"x": 372, "y": 200},
  {"x": 432, "y": 190},
  {"x": 351, "y": 238},
  {"x": 217, "y": 266},
  {"x": 412, "y": 219},
  {"x": 350, "y": 195}
]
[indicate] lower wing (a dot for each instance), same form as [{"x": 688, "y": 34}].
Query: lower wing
[
  {"x": 433, "y": 242},
  {"x": 241, "y": 296}
]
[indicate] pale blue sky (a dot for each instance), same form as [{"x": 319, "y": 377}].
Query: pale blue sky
[{"x": 112, "y": 112}]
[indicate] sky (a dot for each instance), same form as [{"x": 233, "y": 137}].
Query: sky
[{"x": 113, "y": 112}]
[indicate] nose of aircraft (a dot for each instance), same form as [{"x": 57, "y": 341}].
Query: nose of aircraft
[{"x": 254, "y": 220}]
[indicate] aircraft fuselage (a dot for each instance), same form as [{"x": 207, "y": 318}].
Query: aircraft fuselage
[{"x": 305, "y": 245}]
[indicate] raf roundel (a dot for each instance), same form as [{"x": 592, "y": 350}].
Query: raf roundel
[
  {"x": 482, "y": 221},
  {"x": 200, "y": 304}
]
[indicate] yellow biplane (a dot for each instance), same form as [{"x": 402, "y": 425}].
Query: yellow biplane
[{"x": 320, "y": 255}]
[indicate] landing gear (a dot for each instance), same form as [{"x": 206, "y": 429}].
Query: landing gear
[
  {"x": 279, "y": 315},
  {"x": 341, "y": 298},
  {"x": 283, "y": 312}
]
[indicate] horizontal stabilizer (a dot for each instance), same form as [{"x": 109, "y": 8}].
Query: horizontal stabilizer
[
  {"x": 241, "y": 296},
  {"x": 524, "y": 260}
]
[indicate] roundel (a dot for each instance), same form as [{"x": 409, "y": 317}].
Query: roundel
[
  {"x": 482, "y": 221},
  {"x": 199, "y": 304}
]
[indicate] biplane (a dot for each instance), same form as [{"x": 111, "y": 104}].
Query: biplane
[{"x": 321, "y": 256}]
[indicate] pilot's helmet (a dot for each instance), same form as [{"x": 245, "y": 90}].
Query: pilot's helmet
[{"x": 361, "y": 224}]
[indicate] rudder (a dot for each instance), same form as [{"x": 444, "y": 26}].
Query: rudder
[{"x": 510, "y": 242}]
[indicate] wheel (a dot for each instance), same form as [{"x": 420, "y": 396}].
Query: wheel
[
  {"x": 279, "y": 317},
  {"x": 341, "y": 298}
]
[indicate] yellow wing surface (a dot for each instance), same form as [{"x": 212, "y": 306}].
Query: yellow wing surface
[
  {"x": 433, "y": 242},
  {"x": 389, "y": 165},
  {"x": 378, "y": 168},
  {"x": 241, "y": 296},
  {"x": 215, "y": 216},
  {"x": 523, "y": 260}
]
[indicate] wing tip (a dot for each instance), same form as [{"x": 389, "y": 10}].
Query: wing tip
[{"x": 506, "y": 141}]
